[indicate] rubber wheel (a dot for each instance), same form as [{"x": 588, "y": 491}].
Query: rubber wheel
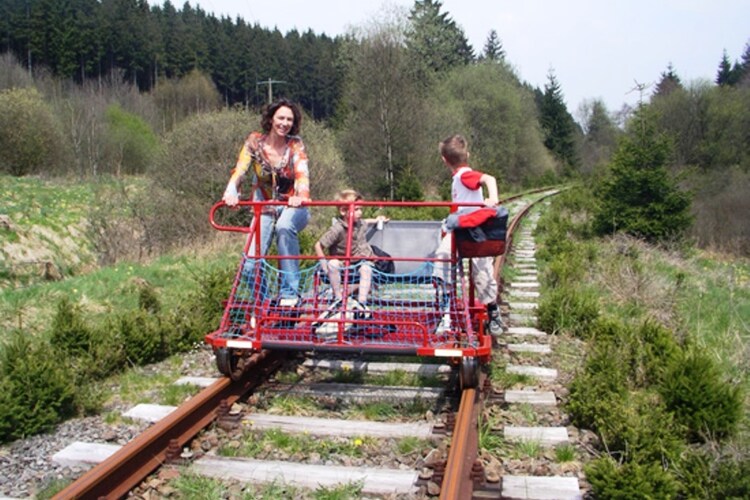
[
  {"x": 226, "y": 362},
  {"x": 468, "y": 375}
]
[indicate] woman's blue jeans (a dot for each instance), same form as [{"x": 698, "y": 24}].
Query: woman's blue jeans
[{"x": 287, "y": 225}]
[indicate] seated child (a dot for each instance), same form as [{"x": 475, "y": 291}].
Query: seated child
[{"x": 334, "y": 241}]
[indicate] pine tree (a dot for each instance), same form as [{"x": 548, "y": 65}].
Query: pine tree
[
  {"x": 638, "y": 197},
  {"x": 434, "y": 40},
  {"x": 743, "y": 78},
  {"x": 725, "y": 68},
  {"x": 668, "y": 83},
  {"x": 493, "y": 48},
  {"x": 557, "y": 124}
]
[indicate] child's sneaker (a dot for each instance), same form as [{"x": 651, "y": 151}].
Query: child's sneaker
[
  {"x": 327, "y": 331},
  {"x": 495, "y": 323}
]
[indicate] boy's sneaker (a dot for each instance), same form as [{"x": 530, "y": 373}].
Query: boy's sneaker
[
  {"x": 362, "y": 315},
  {"x": 495, "y": 323},
  {"x": 359, "y": 310}
]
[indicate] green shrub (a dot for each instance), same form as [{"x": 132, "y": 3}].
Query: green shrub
[
  {"x": 132, "y": 143},
  {"x": 597, "y": 389},
  {"x": 206, "y": 306},
  {"x": 693, "y": 389},
  {"x": 142, "y": 337},
  {"x": 105, "y": 357},
  {"x": 630, "y": 481},
  {"x": 38, "y": 391},
  {"x": 147, "y": 299},
  {"x": 702, "y": 474},
  {"x": 31, "y": 137},
  {"x": 564, "y": 269},
  {"x": 731, "y": 479},
  {"x": 568, "y": 309},
  {"x": 70, "y": 333},
  {"x": 640, "y": 429},
  {"x": 653, "y": 349},
  {"x": 554, "y": 236}
]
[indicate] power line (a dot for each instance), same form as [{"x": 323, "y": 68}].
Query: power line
[{"x": 270, "y": 83}]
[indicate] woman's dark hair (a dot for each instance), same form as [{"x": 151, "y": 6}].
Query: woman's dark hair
[{"x": 270, "y": 110}]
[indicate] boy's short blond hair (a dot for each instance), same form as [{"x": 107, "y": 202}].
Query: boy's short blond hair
[{"x": 349, "y": 195}]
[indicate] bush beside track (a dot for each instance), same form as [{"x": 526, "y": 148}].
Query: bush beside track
[
  {"x": 669, "y": 419},
  {"x": 49, "y": 377}
]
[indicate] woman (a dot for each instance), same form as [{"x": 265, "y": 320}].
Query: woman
[{"x": 277, "y": 160}]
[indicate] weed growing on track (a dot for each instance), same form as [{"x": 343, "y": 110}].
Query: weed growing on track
[
  {"x": 376, "y": 411},
  {"x": 292, "y": 405},
  {"x": 565, "y": 453},
  {"x": 489, "y": 438},
  {"x": 528, "y": 448}
]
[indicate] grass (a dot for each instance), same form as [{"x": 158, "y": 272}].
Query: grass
[
  {"x": 140, "y": 385},
  {"x": 48, "y": 221},
  {"x": 191, "y": 486},
  {"x": 489, "y": 439},
  {"x": 706, "y": 299},
  {"x": 293, "y": 405},
  {"x": 107, "y": 290},
  {"x": 262, "y": 444},
  {"x": 714, "y": 307},
  {"x": 287, "y": 377},
  {"x": 565, "y": 453},
  {"x": 409, "y": 445},
  {"x": 195, "y": 487},
  {"x": 528, "y": 448},
  {"x": 377, "y": 411},
  {"x": 403, "y": 379}
]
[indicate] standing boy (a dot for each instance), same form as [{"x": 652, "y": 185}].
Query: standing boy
[{"x": 467, "y": 188}]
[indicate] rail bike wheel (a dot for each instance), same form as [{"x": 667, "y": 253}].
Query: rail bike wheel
[
  {"x": 227, "y": 362},
  {"x": 468, "y": 375}
]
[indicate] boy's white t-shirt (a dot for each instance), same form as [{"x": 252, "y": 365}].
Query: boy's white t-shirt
[{"x": 466, "y": 187}]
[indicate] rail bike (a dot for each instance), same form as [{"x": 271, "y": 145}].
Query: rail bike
[{"x": 411, "y": 310}]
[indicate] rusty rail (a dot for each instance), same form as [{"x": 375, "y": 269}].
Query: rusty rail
[
  {"x": 131, "y": 464},
  {"x": 463, "y": 470}
]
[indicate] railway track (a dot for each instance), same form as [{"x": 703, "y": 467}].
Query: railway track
[{"x": 447, "y": 464}]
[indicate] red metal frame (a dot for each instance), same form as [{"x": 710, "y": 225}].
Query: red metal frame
[{"x": 261, "y": 330}]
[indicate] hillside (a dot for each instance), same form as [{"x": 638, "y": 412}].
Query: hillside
[{"x": 44, "y": 230}]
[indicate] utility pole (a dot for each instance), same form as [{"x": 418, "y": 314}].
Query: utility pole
[{"x": 270, "y": 83}]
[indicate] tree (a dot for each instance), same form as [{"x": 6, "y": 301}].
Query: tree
[
  {"x": 600, "y": 134},
  {"x": 31, "y": 136},
  {"x": 638, "y": 197},
  {"x": 435, "y": 42},
  {"x": 493, "y": 48},
  {"x": 381, "y": 100},
  {"x": 557, "y": 124},
  {"x": 498, "y": 117},
  {"x": 668, "y": 83},
  {"x": 725, "y": 70},
  {"x": 744, "y": 77},
  {"x": 728, "y": 74}
]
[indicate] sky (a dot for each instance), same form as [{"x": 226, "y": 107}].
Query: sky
[{"x": 596, "y": 49}]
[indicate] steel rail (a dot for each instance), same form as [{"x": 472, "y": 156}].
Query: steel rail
[
  {"x": 130, "y": 465},
  {"x": 462, "y": 469},
  {"x": 458, "y": 481}
]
